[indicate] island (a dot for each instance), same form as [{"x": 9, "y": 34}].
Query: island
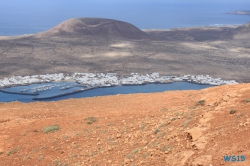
[{"x": 240, "y": 12}]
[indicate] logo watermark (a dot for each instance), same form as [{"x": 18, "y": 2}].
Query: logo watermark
[{"x": 235, "y": 158}]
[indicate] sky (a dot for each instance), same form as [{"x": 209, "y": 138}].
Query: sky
[{"x": 142, "y": 13}]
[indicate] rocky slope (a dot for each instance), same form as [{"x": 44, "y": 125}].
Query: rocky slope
[
  {"x": 242, "y": 32},
  {"x": 238, "y": 33},
  {"x": 169, "y": 128}
]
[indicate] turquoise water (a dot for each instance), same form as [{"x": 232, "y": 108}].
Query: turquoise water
[{"x": 148, "y": 88}]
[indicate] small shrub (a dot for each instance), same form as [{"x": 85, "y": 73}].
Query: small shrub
[
  {"x": 191, "y": 107},
  {"x": 73, "y": 155},
  {"x": 44, "y": 147},
  {"x": 110, "y": 124},
  {"x": 133, "y": 152},
  {"x": 232, "y": 112},
  {"x": 104, "y": 131},
  {"x": 57, "y": 162},
  {"x": 162, "y": 125},
  {"x": 12, "y": 151},
  {"x": 90, "y": 120},
  {"x": 201, "y": 103},
  {"x": 161, "y": 135},
  {"x": 177, "y": 114},
  {"x": 240, "y": 115},
  {"x": 50, "y": 129},
  {"x": 156, "y": 144},
  {"x": 40, "y": 158},
  {"x": 246, "y": 100},
  {"x": 28, "y": 157},
  {"x": 157, "y": 131},
  {"x": 146, "y": 155},
  {"x": 186, "y": 123},
  {"x": 164, "y": 109},
  {"x": 173, "y": 119},
  {"x": 57, "y": 148},
  {"x": 143, "y": 127},
  {"x": 164, "y": 148}
]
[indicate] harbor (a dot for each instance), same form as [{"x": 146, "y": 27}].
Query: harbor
[
  {"x": 52, "y": 87},
  {"x": 90, "y": 80}
]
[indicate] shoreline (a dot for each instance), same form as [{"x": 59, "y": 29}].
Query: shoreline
[
  {"x": 195, "y": 27},
  {"x": 4, "y": 37}
]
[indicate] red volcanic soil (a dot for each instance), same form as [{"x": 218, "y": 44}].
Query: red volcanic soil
[{"x": 169, "y": 128}]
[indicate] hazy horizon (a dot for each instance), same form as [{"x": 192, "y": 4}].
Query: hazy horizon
[{"x": 29, "y": 16}]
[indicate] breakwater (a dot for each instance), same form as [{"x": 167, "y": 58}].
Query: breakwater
[
  {"x": 20, "y": 93},
  {"x": 62, "y": 94}
]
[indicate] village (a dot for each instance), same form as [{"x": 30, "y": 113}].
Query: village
[{"x": 92, "y": 80}]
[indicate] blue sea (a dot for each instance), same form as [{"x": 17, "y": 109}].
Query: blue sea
[
  {"x": 32, "y": 16},
  {"x": 148, "y": 88}
]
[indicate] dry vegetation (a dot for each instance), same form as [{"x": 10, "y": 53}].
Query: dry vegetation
[{"x": 169, "y": 128}]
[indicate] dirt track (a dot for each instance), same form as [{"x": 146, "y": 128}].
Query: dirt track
[{"x": 170, "y": 128}]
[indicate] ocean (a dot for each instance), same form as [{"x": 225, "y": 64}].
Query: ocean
[{"x": 29, "y": 16}]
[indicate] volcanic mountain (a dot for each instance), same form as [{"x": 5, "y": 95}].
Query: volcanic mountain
[{"x": 94, "y": 27}]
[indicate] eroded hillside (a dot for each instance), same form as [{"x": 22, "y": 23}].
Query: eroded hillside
[{"x": 169, "y": 128}]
